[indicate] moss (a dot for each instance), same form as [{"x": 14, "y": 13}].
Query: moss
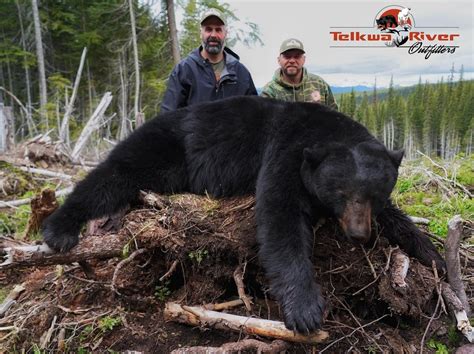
[
  {"x": 4, "y": 293},
  {"x": 418, "y": 196}
]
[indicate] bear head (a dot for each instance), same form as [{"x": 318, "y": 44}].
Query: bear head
[{"x": 353, "y": 183}]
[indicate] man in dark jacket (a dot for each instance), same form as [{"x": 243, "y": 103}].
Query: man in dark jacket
[{"x": 210, "y": 72}]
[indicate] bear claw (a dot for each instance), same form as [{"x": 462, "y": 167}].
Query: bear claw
[{"x": 305, "y": 314}]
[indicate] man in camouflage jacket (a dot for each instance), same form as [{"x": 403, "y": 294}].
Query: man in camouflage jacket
[{"x": 292, "y": 82}]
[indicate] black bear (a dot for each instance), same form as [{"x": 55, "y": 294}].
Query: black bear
[
  {"x": 385, "y": 22},
  {"x": 303, "y": 160}
]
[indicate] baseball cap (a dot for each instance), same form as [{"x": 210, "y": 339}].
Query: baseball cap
[
  {"x": 291, "y": 43},
  {"x": 212, "y": 12}
]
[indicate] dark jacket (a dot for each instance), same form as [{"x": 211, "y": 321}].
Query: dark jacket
[{"x": 192, "y": 81}]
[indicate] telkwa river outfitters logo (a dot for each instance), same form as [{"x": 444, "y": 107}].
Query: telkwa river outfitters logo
[{"x": 394, "y": 26}]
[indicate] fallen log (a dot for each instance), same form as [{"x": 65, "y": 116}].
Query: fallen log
[
  {"x": 174, "y": 228},
  {"x": 457, "y": 308},
  {"x": 199, "y": 316},
  {"x": 103, "y": 247},
  {"x": 453, "y": 263}
]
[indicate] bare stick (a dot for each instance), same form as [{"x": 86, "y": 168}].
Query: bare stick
[
  {"x": 350, "y": 334},
  {"x": 422, "y": 344},
  {"x": 18, "y": 202},
  {"x": 103, "y": 247},
  {"x": 455, "y": 305},
  {"x": 418, "y": 220},
  {"x": 47, "y": 335},
  {"x": 11, "y": 299},
  {"x": 45, "y": 172},
  {"x": 239, "y": 282},
  {"x": 16, "y": 100},
  {"x": 92, "y": 125},
  {"x": 198, "y": 316},
  {"x": 170, "y": 271},
  {"x": 121, "y": 264},
  {"x": 224, "y": 305},
  {"x": 251, "y": 345},
  {"x": 453, "y": 263},
  {"x": 64, "y": 125}
]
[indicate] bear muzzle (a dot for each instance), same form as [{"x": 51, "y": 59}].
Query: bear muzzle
[{"x": 356, "y": 221}]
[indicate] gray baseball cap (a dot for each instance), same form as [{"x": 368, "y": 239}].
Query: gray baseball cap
[
  {"x": 291, "y": 43},
  {"x": 212, "y": 12}
]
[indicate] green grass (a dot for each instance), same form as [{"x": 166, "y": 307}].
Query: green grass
[{"x": 434, "y": 192}]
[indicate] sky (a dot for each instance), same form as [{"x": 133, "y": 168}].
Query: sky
[{"x": 312, "y": 22}]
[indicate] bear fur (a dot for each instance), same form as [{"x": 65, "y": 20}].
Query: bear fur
[{"x": 302, "y": 160}]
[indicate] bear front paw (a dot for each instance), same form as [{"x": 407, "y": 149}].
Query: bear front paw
[
  {"x": 304, "y": 313},
  {"x": 60, "y": 235}
]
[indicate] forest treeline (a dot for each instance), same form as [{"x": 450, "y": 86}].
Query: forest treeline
[
  {"x": 48, "y": 75},
  {"x": 435, "y": 119},
  {"x": 124, "y": 38}
]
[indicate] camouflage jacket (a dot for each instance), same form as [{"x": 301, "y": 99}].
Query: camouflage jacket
[{"x": 302, "y": 92}]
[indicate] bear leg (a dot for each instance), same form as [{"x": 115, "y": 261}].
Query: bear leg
[
  {"x": 400, "y": 230},
  {"x": 284, "y": 233},
  {"x": 152, "y": 158}
]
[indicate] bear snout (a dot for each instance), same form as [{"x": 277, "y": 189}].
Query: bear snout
[{"x": 356, "y": 221}]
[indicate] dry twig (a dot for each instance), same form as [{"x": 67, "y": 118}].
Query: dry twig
[
  {"x": 277, "y": 346},
  {"x": 121, "y": 264},
  {"x": 239, "y": 282},
  {"x": 198, "y": 316}
]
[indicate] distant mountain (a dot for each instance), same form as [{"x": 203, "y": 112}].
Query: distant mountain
[
  {"x": 346, "y": 89},
  {"x": 339, "y": 89}
]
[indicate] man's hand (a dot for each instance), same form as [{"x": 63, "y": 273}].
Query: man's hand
[{"x": 315, "y": 96}]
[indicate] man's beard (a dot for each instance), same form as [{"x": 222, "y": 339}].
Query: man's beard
[
  {"x": 213, "y": 49},
  {"x": 291, "y": 71}
]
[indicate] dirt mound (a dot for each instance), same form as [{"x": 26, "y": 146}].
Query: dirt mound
[{"x": 186, "y": 249}]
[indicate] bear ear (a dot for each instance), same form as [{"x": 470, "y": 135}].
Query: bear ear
[
  {"x": 396, "y": 156},
  {"x": 315, "y": 155}
]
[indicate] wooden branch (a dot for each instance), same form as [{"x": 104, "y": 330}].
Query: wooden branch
[
  {"x": 17, "y": 101},
  {"x": 170, "y": 271},
  {"x": 453, "y": 263},
  {"x": 63, "y": 131},
  {"x": 11, "y": 299},
  {"x": 455, "y": 305},
  {"x": 15, "y": 203},
  {"x": 198, "y": 316},
  {"x": 418, "y": 220},
  {"x": 224, "y": 305},
  {"x": 246, "y": 345},
  {"x": 239, "y": 282},
  {"x": 43, "y": 172},
  {"x": 121, "y": 264},
  {"x": 236, "y": 226},
  {"x": 92, "y": 125},
  {"x": 102, "y": 247}
]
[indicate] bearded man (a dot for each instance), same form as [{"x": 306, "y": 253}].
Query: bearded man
[
  {"x": 292, "y": 82},
  {"x": 210, "y": 72}
]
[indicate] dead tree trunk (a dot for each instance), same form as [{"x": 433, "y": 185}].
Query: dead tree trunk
[
  {"x": 136, "y": 105},
  {"x": 63, "y": 132},
  {"x": 173, "y": 31},
  {"x": 41, "y": 64}
]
